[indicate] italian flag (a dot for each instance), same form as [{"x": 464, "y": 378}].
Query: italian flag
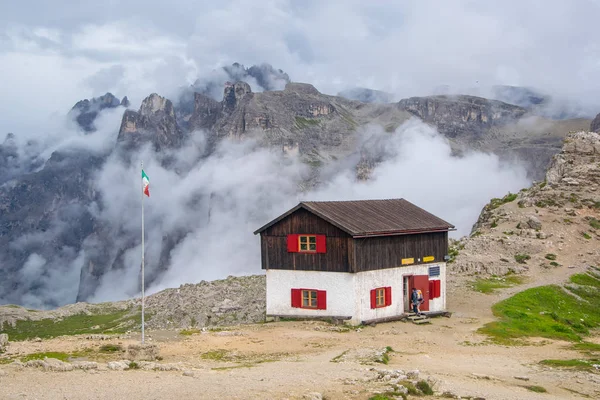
[{"x": 146, "y": 182}]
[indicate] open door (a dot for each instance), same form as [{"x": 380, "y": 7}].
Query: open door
[{"x": 421, "y": 282}]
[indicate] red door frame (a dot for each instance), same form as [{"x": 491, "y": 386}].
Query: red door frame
[{"x": 420, "y": 282}]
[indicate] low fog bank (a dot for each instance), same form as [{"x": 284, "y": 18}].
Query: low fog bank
[
  {"x": 203, "y": 208},
  {"x": 221, "y": 200}
]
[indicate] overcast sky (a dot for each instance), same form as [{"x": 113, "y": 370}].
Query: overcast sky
[{"x": 53, "y": 53}]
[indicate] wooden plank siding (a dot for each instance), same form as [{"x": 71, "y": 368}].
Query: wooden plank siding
[
  {"x": 274, "y": 245},
  {"x": 388, "y": 251},
  {"x": 344, "y": 254}
]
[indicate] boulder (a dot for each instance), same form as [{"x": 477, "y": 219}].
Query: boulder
[
  {"x": 534, "y": 223},
  {"x": 143, "y": 352}
]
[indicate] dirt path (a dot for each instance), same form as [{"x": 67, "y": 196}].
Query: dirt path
[{"x": 290, "y": 359}]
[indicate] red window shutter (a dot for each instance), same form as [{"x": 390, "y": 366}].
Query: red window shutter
[
  {"x": 296, "y": 298},
  {"x": 438, "y": 288},
  {"x": 374, "y": 298},
  {"x": 292, "y": 243},
  {"x": 431, "y": 289},
  {"x": 321, "y": 244},
  {"x": 388, "y": 296},
  {"x": 321, "y": 300}
]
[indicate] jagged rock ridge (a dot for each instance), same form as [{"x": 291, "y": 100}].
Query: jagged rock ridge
[{"x": 86, "y": 111}]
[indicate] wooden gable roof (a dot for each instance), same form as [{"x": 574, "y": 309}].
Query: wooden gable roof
[{"x": 362, "y": 218}]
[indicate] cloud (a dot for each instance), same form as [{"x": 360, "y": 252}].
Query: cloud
[
  {"x": 408, "y": 48},
  {"x": 217, "y": 203}
]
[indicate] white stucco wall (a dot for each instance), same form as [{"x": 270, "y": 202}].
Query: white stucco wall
[
  {"x": 339, "y": 287},
  {"x": 348, "y": 294},
  {"x": 393, "y": 277}
]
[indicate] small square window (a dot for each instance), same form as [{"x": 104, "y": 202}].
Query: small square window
[
  {"x": 380, "y": 297},
  {"x": 307, "y": 243},
  {"x": 309, "y": 299}
]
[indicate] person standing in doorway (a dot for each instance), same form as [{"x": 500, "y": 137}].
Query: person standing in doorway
[{"x": 414, "y": 300}]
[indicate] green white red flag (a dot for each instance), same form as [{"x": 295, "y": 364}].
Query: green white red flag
[{"x": 146, "y": 183}]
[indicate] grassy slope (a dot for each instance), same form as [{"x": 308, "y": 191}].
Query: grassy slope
[{"x": 549, "y": 312}]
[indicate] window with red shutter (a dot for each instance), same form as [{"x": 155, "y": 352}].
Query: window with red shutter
[
  {"x": 388, "y": 296},
  {"x": 292, "y": 243},
  {"x": 309, "y": 298},
  {"x": 374, "y": 298},
  {"x": 435, "y": 287},
  {"x": 296, "y": 298},
  {"x": 321, "y": 300},
  {"x": 381, "y": 297},
  {"x": 321, "y": 244}
]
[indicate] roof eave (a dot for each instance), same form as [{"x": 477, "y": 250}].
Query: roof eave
[{"x": 398, "y": 233}]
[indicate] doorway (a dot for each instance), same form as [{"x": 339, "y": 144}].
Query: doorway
[{"x": 421, "y": 282}]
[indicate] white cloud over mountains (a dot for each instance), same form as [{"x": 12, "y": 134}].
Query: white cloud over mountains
[{"x": 53, "y": 54}]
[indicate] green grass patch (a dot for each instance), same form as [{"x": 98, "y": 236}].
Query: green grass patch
[
  {"x": 496, "y": 202},
  {"x": 110, "y": 348},
  {"x": 216, "y": 355},
  {"x": 555, "y": 264},
  {"x": 302, "y": 122},
  {"x": 522, "y": 258},
  {"x": 585, "y": 279},
  {"x": 116, "y": 322},
  {"x": 550, "y": 256},
  {"x": 488, "y": 285},
  {"x": 50, "y": 354},
  {"x": 189, "y": 332},
  {"x": 581, "y": 365},
  {"x": 587, "y": 347},
  {"x": 385, "y": 357},
  {"x": 544, "y": 311},
  {"x": 425, "y": 388},
  {"x": 594, "y": 223},
  {"x": 537, "y": 389},
  {"x": 6, "y": 360},
  {"x": 586, "y": 235}
]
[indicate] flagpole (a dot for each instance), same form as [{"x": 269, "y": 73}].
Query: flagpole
[{"x": 142, "y": 193}]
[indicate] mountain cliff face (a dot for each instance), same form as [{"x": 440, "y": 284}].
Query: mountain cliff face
[
  {"x": 58, "y": 205},
  {"x": 595, "y": 125},
  {"x": 456, "y": 116},
  {"x": 155, "y": 122}
]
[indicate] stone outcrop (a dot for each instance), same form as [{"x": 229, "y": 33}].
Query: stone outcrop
[
  {"x": 456, "y": 116},
  {"x": 155, "y": 122},
  {"x": 536, "y": 227},
  {"x": 595, "y": 125}
]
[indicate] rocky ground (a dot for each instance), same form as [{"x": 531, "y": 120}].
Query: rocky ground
[{"x": 296, "y": 360}]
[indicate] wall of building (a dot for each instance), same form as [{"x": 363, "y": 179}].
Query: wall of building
[
  {"x": 274, "y": 252},
  {"x": 374, "y": 253},
  {"x": 394, "y": 277},
  {"x": 349, "y": 294},
  {"x": 339, "y": 287}
]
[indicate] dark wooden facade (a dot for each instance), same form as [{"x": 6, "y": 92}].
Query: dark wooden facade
[{"x": 344, "y": 252}]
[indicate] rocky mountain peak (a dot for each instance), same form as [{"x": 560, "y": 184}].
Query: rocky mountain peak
[
  {"x": 234, "y": 93},
  {"x": 125, "y": 102},
  {"x": 155, "y": 104},
  {"x": 595, "y": 125},
  {"x": 86, "y": 111},
  {"x": 155, "y": 121},
  {"x": 302, "y": 88}
]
